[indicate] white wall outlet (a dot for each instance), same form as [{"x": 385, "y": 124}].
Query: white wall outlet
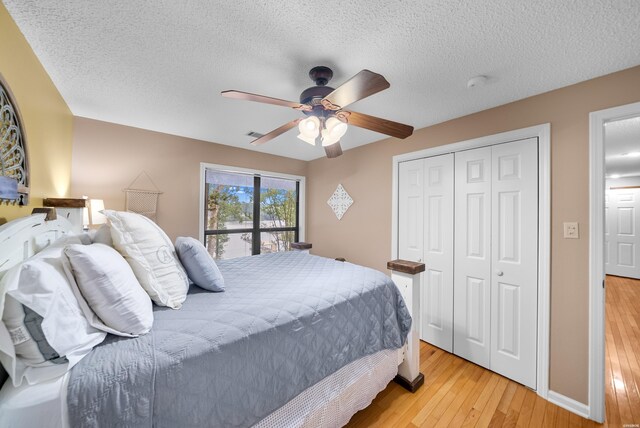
[{"x": 571, "y": 230}]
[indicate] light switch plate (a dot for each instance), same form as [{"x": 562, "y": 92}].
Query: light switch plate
[{"x": 571, "y": 230}]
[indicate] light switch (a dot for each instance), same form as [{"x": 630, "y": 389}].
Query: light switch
[{"x": 571, "y": 230}]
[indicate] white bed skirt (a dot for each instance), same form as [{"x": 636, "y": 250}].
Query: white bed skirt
[
  {"x": 329, "y": 403},
  {"x": 335, "y": 399}
]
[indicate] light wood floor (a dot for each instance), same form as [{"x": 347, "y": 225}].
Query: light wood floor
[
  {"x": 458, "y": 393},
  {"x": 622, "y": 364}
]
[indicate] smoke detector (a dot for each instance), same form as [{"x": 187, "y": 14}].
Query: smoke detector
[{"x": 477, "y": 81}]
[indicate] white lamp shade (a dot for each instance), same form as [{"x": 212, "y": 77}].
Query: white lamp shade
[
  {"x": 97, "y": 205},
  {"x": 309, "y": 129},
  {"x": 308, "y": 140},
  {"x": 333, "y": 131},
  {"x": 85, "y": 216}
]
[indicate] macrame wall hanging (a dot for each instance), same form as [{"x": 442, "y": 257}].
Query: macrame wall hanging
[{"x": 142, "y": 196}]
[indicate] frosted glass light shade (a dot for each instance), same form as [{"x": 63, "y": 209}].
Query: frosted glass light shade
[
  {"x": 309, "y": 129},
  {"x": 333, "y": 131},
  {"x": 308, "y": 140}
]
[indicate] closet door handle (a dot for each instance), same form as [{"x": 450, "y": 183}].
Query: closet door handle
[{"x": 499, "y": 273}]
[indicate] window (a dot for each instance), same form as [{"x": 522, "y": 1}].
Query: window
[{"x": 249, "y": 213}]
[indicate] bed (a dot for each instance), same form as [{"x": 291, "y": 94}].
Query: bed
[{"x": 296, "y": 340}]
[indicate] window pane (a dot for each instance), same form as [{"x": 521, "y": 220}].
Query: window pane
[
  {"x": 229, "y": 201},
  {"x": 277, "y": 202},
  {"x": 272, "y": 242},
  {"x": 229, "y": 245}
]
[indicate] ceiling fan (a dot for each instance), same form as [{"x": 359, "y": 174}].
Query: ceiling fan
[{"x": 324, "y": 106}]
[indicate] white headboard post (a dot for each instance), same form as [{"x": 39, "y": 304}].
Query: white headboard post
[{"x": 24, "y": 237}]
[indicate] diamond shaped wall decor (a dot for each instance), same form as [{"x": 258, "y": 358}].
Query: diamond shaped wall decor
[{"x": 340, "y": 201}]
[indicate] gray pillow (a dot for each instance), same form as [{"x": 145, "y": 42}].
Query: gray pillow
[{"x": 200, "y": 266}]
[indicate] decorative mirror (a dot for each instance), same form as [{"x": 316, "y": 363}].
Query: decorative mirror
[{"x": 14, "y": 167}]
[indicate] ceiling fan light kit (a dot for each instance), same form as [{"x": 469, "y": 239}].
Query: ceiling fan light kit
[
  {"x": 333, "y": 130},
  {"x": 324, "y": 106},
  {"x": 309, "y": 129}
]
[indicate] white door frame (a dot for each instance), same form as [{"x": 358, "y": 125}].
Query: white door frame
[
  {"x": 543, "y": 133},
  {"x": 597, "y": 120}
]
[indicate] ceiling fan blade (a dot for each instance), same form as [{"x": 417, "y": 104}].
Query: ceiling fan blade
[
  {"x": 383, "y": 126},
  {"x": 239, "y": 95},
  {"x": 333, "y": 151},
  {"x": 273, "y": 134},
  {"x": 358, "y": 87}
]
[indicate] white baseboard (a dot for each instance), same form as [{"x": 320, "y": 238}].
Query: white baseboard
[{"x": 569, "y": 404}]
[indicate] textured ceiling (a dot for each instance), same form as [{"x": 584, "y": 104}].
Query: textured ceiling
[
  {"x": 161, "y": 64},
  {"x": 621, "y": 138}
]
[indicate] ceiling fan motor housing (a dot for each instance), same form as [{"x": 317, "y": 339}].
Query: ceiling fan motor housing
[{"x": 313, "y": 95}]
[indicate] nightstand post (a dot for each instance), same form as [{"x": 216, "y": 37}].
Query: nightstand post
[{"x": 406, "y": 276}]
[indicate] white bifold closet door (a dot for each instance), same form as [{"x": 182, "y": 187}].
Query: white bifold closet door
[
  {"x": 472, "y": 289},
  {"x": 622, "y": 232},
  {"x": 514, "y": 285},
  {"x": 496, "y": 246},
  {"x": 437, "y": 289}
]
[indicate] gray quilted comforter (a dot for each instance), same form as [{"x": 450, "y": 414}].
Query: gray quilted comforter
[{"x": 285, "y": 321}]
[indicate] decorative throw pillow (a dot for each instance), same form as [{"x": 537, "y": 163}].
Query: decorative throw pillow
[
  {"x": 109, "y": 286},
  {"x": 200, "y": 266},
  {"x": 151, "y": 255},
  {"x": 44, "y": 332}
]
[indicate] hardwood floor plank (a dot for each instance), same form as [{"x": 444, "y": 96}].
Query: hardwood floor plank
[
  {"x": 497, "y": 420},
  {"x": 491, "y": 406},
  {"x": 527, "y": 409},
  {"x": 451, "y": 411},
  {"x": 506, "y": 398},
  {"x": 562, "y": 418},
  {"x": 537, "y": 416},
  {"x": 550, "y": 413},
  {"x": 466, "y": 406},
  {"x": 514, "y": 407}
]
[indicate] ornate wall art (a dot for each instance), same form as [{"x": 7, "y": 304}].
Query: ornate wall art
[
  {"x": 340, "y": 201},
  {"x": 14, "y": 167}
]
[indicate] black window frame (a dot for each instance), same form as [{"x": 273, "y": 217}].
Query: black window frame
[{"x": 255, "y": 230}]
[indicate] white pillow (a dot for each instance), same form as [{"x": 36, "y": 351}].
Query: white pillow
[
  {"x": 102, "y": 235},
  {"x": 44, "y": 332},
  {"x": 151, "y": 255},
  {"x": 109, "y": 286}
]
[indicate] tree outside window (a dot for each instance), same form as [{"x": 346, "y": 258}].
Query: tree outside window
[{"x": 230, "y": 227}]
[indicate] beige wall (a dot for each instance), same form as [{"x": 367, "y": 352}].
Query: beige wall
[
  {"x": 46, "y": 118},
  {"x": 107, "y": 157},
  {"x": 364, "y": 233}
]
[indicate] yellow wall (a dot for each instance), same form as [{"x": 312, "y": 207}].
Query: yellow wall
[{"x": 47, "y": 121}]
